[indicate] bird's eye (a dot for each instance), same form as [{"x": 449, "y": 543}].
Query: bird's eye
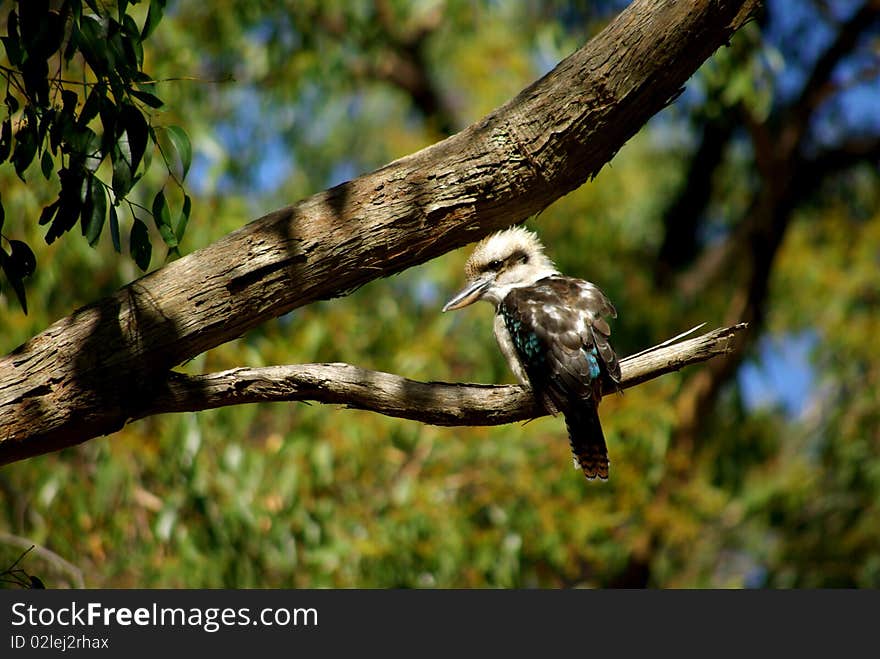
[{"x": 495, "y": 265}]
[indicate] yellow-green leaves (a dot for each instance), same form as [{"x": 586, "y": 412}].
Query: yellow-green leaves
[
  {"x": 182, "y": 145},
  {"x": 93, "y": 139}
]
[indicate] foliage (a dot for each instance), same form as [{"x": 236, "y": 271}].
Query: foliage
[
  {"x": 79, "y": 103},
  {"x": 312, "y": 496}
]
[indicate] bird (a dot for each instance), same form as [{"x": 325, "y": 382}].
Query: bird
[{"x": 552, "y": 329}]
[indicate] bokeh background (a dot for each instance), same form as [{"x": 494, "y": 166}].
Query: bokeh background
[{"x": 753, "y": 197}]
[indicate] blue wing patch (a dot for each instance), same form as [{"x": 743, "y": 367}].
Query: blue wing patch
[{"x": 593, "y": 361}]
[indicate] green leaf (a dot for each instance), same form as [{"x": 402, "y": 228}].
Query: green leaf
[
  {"x": 47, "y": 118},
  {"x": 139, "y": 244},
  {"x": 168, "y": 236},
  {"x": 121, "y": 54},
  {"x": 48, "y": 213},
  {"x": 25, "y": 147},
  {"x": 35, "y": 75},
  {"x": 114, "y": 230},
  {"x": 122, "y": 177},
  {"x": 12, "y": 43},
  {"x": 148, "y": 155},
  {"x": 47, "y": 164},
  {"x": 23, "y": 258},
  {"x": 182, "y": 145},
  {"x": 70, "y": 201},
  {"x": 94, "y": 46},
  {"x": 129, "y": 27},
  {"x": 133, "y": 41},
  {"x": 13, "y": 279},
  {"x": 69, "y": 99},
  {"x": 17, "y": 266},
  {"x": 121, "y": 6},
  {"x": 44, "y": 27},
  {"x": 11, "y": 103},
  {"x": 136, "y": 128},
  {"x": 5, "y": 140},
  {"x": 13, "y": 49},
  {"x": 65, "y": 122},
  {"x": 95, "y": 101},
  {"x": 54, "y": 33},
  {"x": 87, "y": 205},
  {"x": 154, "y": 15},
  {"x": 96, "y": 207},
  {"x": 2, "y": 214},
  {"x": 150, "y": 99},
  {"x": 82, "y": 142},
  {"x": 183, "y": 220},
  {"x": 111, "y": 123},
  {"x": 162, "y": 217}
]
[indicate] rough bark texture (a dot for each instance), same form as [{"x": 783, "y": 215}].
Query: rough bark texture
[{"x": 89, "y": 373}]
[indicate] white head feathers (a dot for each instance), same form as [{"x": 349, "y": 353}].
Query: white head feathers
[{"x": 501, "y": 262}]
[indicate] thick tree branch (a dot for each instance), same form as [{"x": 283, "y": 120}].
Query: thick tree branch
[
  {"x": 780, "y": 159},
  {"x": 437, "y": 403},
  {"x": 788, "y": 177},
  {"x": 681, "y": 220},
  {"x": 405, "y": 65},
  {"x": 819, "y": 85},
  {"x": 685, "y": 214},
  {"x": 841, "y": 157},
  {"x": 90, "y": 372}
]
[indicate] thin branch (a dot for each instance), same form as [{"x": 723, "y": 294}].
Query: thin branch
[
  {"x": 437, "y": 403},
  {"x": 59, "y": 563},
  {"x": 85, "y": 84},
  {"x": 669, "y": 342}
]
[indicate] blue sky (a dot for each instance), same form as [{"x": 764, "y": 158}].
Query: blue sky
[{"x": 781, "y": 375}]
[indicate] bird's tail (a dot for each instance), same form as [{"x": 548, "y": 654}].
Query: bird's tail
[{"x": 587, "y": 440}]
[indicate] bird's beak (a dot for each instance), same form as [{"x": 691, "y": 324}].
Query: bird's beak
[{"x": 469, "y": 294}]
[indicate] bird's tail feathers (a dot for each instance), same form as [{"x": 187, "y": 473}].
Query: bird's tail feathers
[{"x": 587, "y": 441}]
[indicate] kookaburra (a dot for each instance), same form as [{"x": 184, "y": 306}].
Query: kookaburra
[{"x": 552, "y": 330}]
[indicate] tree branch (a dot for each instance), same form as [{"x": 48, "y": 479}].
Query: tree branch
[
  {"x": 840, "y": 157},
  {"x": 681, "y": 219},
  {"x": 684, "y": 214},
  {"x": 59, "y": 563},
  {"x": 437, "y": 403},
  {"x": 787, "y": 178},
  {"x": 818, "y": 86},
  {"x": 778, "y": 147},
  {"x": 89, "y": 373}
]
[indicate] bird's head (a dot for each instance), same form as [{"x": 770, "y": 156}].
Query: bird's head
[{"x": 503, "y": 261}]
